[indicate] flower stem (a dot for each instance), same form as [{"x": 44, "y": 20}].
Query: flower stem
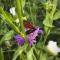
[
  {"x": 1, "y": 54},
  {"x": 19, "y": 9}
]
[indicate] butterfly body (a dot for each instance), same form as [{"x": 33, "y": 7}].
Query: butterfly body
[{"x": 29, "y": 27}]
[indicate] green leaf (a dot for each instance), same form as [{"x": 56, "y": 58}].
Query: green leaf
[
  {"x": 43, "y": 56},
  {"x": 7, "y": 17},
  {"x": 1, "y": 54},
  {"x": 3, "y": 28},
  {"x": 1, "y": 9},
  {"x": 30, "y": 54},
  {"x": 55, "y": 2},
  {"x": 17, "y": 53},
  {"x": 42, "y": 1},
  {"x": 7, "y": 36},
  {"x": 58, "y": 58},
  {"x": 47, "y": 22},
  {"x": 57, "y": 15}
]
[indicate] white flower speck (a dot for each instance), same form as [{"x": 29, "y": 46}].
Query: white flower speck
[
  {"x": 53, "y": 48},
  {"x": 17, "y": 20},
  {"x": 12, "y": 11},
  {"x": 24, "y": 18}
]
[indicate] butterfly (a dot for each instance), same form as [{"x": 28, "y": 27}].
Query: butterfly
[{"x": 28, "y": 25}]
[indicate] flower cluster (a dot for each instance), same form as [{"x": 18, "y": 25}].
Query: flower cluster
[
  {"x": 28, "y": 27},
  {"x": 31, "y": 37}
]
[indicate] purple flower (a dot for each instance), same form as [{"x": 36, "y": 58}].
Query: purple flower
[
  {"x": 19, "y": 39},
  {"x": 32, "y": 36},
  {"x": 39, "y": 30}
]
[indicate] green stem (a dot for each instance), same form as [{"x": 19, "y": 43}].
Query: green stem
[
  {"x": 50, "y": 18},
  {"x": 1, "y": 54},
  {"x": 43, "y": 56},
  {"x": 31, "y": 14},
  {"x": 47, "y": 27},
  {"x": 19, "y": 8},
  {"x": 46, "y": 35},
  {"x": 54, "y": 58}
]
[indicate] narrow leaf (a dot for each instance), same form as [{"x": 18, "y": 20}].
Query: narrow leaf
[
  {"x": 57, "y": 15},
  {"x": 1, "y": 54},
  {"x": 43, "y": 56},
  {"x": 19, "y": 10},
  {"x": 30, "y": 55},
  {"x": 17, "y": 53},
  {"x": 7, "y": 17},
  {"x": 7, "y": 36}
]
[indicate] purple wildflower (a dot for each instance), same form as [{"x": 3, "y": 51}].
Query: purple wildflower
[
  {"x": 32, "y": 36},
  {"x": 40, "y": 31},
  {"x": 19, "y": 39}
]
